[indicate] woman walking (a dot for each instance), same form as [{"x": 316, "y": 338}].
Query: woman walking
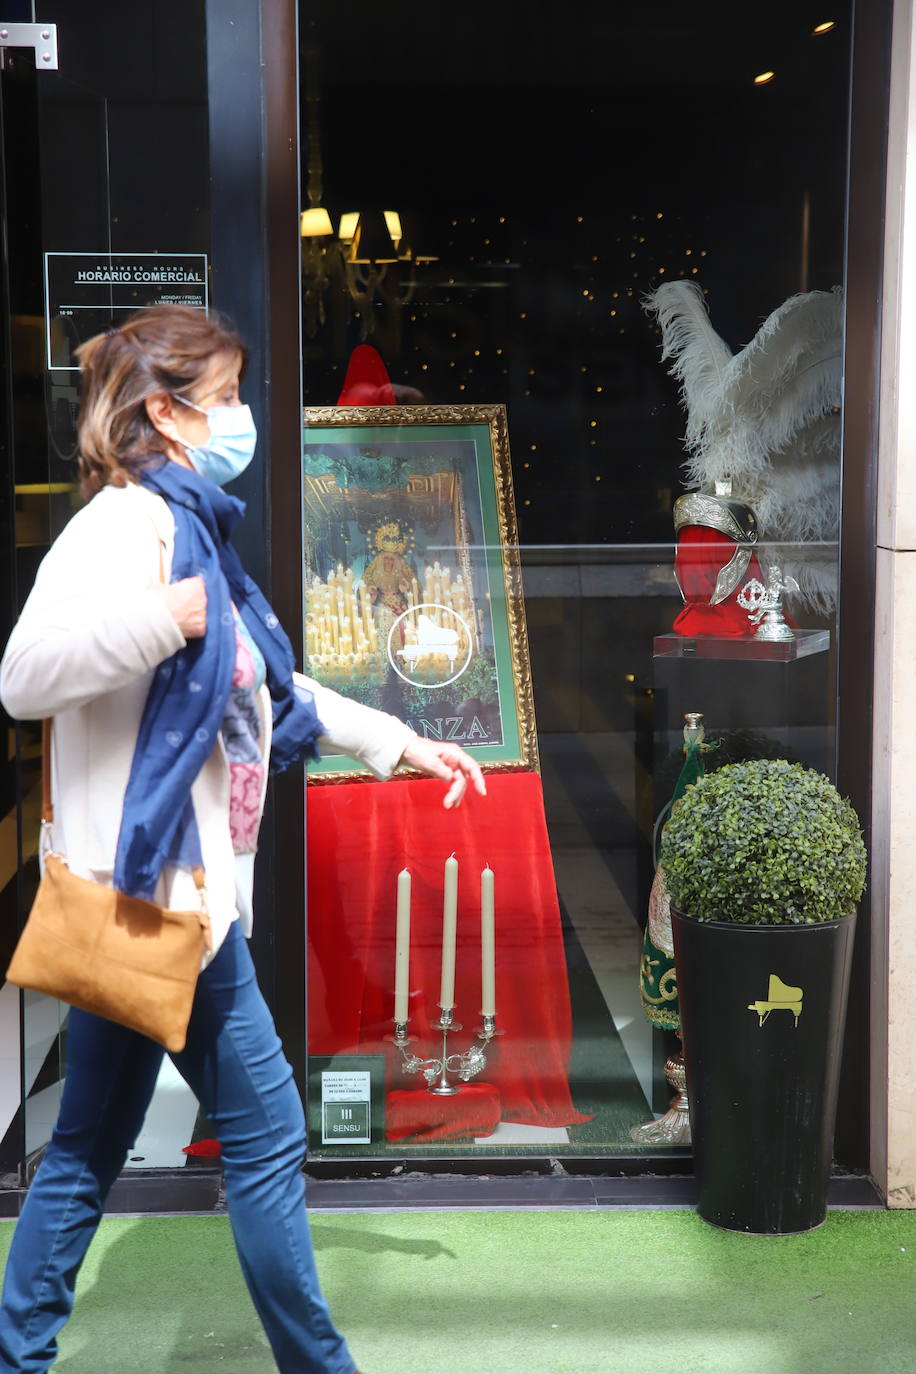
[{"x": 170, "y": 685}]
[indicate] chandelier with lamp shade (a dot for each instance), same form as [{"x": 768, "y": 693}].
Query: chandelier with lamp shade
[{"x": 365, "y": 258}]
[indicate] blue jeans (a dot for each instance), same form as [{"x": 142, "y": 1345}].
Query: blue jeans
[{"x": 234, "y": 1064}]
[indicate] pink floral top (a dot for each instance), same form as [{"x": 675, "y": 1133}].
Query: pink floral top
[{"x": 241, "y": 737}]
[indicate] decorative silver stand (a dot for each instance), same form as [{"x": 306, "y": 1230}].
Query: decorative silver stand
[
  {"x": 674, "y": 1127},
  {"x": 436, "y": 1071},
  {"x": 763, "y": 604}
]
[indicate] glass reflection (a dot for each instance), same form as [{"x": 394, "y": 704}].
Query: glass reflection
[{"x": 96, "y": 157}]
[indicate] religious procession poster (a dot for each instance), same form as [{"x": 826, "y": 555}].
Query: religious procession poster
[{"x": 412, "y": 590}]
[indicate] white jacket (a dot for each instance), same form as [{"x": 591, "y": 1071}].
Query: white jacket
[{"x": 84, "y": 650}]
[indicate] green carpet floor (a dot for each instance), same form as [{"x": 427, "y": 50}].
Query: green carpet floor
[{"x": 615, "y": 1292}]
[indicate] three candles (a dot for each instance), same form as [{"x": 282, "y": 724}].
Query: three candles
[{"x": 449, "y": 941}]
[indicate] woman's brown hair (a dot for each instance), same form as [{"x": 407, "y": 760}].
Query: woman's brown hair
[{"x": 162, "y": 348}]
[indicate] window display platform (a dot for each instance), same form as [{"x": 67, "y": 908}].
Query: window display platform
[
  {"x": 778, "y": 690},
  {"x": 362, "y": 1185},
  {"x": 360, "y": 837},
  {"x": 804, "y": 643}
]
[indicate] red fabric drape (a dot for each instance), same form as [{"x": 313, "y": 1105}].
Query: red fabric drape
[
  {"x": 360, "y": 835},
  {"x": 418, "y": 1116}
]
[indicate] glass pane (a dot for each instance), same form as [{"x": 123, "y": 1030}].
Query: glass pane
[
  {"x": 122, "y": 151},
  {"x": 554, "y": 219}
]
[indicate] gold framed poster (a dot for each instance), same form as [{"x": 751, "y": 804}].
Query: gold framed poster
[{"x": 412, "y": 586}]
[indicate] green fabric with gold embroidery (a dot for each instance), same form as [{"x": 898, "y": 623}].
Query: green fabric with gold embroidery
[
  {"x": 658, "y": 987},
  {"x": 657, "y": 977}
]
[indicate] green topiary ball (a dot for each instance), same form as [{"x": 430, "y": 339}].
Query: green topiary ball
[{"x": 765, "y": 843}]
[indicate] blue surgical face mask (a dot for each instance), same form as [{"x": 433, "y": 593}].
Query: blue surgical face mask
[{"x": 233, "y": 436}]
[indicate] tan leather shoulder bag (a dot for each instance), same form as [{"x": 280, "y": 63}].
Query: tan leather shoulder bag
[{"x": 119, "y": 957}]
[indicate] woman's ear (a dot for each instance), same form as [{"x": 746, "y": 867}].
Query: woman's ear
[{"x": 161, "y": 411}]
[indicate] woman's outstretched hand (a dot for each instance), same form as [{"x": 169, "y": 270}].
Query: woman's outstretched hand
[{"x": 448, "y": 762}]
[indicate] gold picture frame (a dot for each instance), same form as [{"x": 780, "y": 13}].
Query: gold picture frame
[{"x": 413, "y": 595}]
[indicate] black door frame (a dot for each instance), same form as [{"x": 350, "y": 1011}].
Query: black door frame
[
  {"x": 252, "y": 52},
  {"x": 21, "y": 297},
  {"x": 865, "y": 233}
]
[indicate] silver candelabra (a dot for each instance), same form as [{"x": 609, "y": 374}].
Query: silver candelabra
[{"x": 436, "y": 1071}]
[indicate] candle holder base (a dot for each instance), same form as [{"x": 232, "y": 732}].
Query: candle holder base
[{"x": 439, "y": 1073}]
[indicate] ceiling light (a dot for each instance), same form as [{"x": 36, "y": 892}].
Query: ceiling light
[
  {"x": 827, "y": 25},
  {"x": 764, "y": 78}
]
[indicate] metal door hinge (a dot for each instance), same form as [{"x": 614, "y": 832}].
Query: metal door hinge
[{"x": 41, "y": 37}]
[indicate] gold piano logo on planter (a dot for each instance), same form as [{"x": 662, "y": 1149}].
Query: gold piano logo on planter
[{"x": 780, "y": 997}]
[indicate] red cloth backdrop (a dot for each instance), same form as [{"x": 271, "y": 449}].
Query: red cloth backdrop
[{"x": 360, "y": 835}]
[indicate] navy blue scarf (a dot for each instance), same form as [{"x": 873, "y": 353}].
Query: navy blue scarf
[{"x": 187, "y": 699}]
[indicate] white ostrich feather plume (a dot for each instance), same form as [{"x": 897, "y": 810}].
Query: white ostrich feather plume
[{"x": 766, "y": 417}]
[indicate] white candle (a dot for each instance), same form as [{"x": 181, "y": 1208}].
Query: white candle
[
  {"x": 402, "y": 948},
  {"x": 449, "y": 933},
  {"x": 487, "y": 944}
]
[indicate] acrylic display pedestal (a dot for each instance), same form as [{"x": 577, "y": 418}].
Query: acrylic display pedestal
[
  {"x": 728, "y": 647},
  {"x": 781, "y": 690}
]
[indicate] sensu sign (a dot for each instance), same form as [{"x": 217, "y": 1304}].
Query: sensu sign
[{"x": 345, "y": 1108}]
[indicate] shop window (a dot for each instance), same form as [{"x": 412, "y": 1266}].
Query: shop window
[{"x": 508, "y": 219}]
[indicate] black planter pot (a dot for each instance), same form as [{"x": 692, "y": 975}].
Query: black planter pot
[{"x": 763, "y": 1065}]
